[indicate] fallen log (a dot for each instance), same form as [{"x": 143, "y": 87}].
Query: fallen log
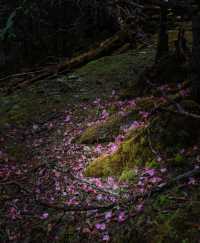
[{"x": 105, "y": 48}]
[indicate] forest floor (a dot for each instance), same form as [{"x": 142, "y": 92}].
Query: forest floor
[{"x": 46, "y": 193}]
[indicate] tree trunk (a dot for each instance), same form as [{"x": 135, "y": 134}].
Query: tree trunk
[
  {"x": 195, "y": 77},
  {"x": 163, "y": 46}
]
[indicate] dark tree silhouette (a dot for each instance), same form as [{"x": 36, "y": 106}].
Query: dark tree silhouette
[{"x": 195, "y": 77}]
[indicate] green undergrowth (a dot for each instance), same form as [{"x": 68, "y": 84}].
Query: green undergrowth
[{"x": 171, "y": 216}]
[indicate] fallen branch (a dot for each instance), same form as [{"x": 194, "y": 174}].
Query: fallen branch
[
  {"x": 79, "y": 208},
  {"x": 85, "y": 181},
  {"x": 183, "y": 112}
]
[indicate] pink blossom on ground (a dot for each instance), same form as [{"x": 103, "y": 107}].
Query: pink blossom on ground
[
  {"x": 44, "y": 216},
  {"x": 191, "y": 181},
  {"x": 182, "y": 151},
  {"x": 132, "y": 103},
  {"x": 156, "y": 179},
  {"x": 134, "y": 125},
  {"x": 108, "y": 215},
  {"x": 113, "y": 147},
  {"x": 97, "y": 101},
  {"x": 113, "y": 92},
  {"x": 121, "y": 217},
  {"x": 144, "y": 114},
  {"x": 100, "y": 226},
  {"x": 67, "y": 118},
  {"x": 158, "y": 159},
  {"x": 98, "y": 149},
  {"x": 119, "y": 139},
  {"x": 99, "y": 197},
  {"x": 104, "y": 114},
  {"x": 141, "y": 190},
  {"x": 163, "y": 170},
  {"x": 140, "y": 183},
  {"x": 106, "y": 237},
  {"x": 150, "y": 172},
  {"x": 184, "y": 92},
  {"x": 122, "y": 113},
  {"x": 13, "y": 213}
]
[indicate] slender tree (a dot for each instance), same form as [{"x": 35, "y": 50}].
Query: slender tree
[{"x": 195, "y": 77}]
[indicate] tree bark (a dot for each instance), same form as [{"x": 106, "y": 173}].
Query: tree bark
[{"x": 195, "y": 77}]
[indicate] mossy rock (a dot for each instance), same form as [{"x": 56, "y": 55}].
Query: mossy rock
[
  {"x": 133, "y": 151},
  {"x": 107, "y": 130}
]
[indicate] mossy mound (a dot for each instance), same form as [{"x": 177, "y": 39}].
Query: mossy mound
[
  {"x": 123, "y": 71},
  {"x": 107, "y": 130},
  {"x": 167, "y": 134},
  {"x": 133, "y": 151}
]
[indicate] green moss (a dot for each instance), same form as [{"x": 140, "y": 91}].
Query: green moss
[
  {"x": 107, "y": 130},
  {"x": 162, "y": 200},
  {"x": 153, "y": 164},
  {"x": 116, "y": 64},
  {"x": 104, "y": 131},
  {"x": 132, "y": 152},
  {"x": 105, "y": 166},
  {"x": 179, "y": 159},
  {"x": 122, "y": 70},
  {"x": 127, "y": 175}
]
